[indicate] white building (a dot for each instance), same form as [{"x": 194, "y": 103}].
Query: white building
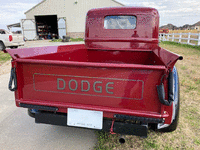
[{"x": 55, "y": 18}]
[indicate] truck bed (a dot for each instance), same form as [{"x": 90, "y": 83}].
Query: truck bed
[
  {"x": 113, "y": 82},
  {"x": 81, "y": 54}
]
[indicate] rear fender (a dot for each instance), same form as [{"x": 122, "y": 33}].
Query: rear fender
[{"x": 175, "y": 98}]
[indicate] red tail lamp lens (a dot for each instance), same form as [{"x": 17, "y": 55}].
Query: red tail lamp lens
[{"x": 10, "y": 38}]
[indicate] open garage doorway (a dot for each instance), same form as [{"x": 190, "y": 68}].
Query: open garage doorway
[{"x": 47, "y": 27}]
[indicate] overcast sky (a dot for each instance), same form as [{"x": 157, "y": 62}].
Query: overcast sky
[{"x": 177, "y": 12}]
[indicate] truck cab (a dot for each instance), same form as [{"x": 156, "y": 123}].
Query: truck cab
[{"x": 122, "y": 28}]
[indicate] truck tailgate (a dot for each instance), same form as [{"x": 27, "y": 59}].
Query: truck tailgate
[
  {"x": 18, "y": 38},
  {"x": 114, "y": 88}
]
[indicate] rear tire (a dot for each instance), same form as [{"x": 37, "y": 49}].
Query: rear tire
[
  {"x": 2, "y": 46},
  {"x": 31, "y": 113},
  {"x": 174, "y": 123},
  {"x": 13, "y": 47}
]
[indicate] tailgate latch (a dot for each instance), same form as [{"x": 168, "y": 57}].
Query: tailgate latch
[{"x": 13, "y": 78}]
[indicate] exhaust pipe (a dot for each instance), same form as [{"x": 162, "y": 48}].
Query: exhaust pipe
[{"x": 122, "y": 139}]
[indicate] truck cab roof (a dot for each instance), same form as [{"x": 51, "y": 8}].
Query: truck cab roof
[{"x": 125, "y": 9}]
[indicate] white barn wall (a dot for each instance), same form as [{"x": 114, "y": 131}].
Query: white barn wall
[{"x": 75, "y": 13}]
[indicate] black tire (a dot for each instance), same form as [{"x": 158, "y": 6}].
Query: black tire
[
  {"x": 13, "y": 47},
  {"x": 30, "y": 113},
  {"x": 174, "y": 123},
  {"x": 2, "y": 46}
]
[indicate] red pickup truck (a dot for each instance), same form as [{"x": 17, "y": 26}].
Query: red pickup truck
[{"x": 119, "y": 81}]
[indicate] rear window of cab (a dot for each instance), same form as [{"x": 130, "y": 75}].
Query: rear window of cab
[{"x": 120, "y": 22}]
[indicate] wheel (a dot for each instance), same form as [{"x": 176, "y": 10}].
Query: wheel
[
  {"x": 32, "y": 112},
  {"x": 2, "y": 46},
  {"x": 176, "y": 104}
]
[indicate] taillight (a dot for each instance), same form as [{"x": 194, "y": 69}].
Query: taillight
[{"x": 10, "y": 38}]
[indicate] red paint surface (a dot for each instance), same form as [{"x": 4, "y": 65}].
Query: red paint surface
[
  {"x": 143, "y": 37},
  {"x": 134, "y": 65},
  {"x": 89, "y": 86}
]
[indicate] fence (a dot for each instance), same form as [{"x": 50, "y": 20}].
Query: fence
[{"x": 184, "y": 38}]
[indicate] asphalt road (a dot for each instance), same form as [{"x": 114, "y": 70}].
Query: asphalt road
[{"x": 18, "y": 131}]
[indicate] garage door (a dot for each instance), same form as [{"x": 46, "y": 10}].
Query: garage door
[
  {"x": 61, "y": 27},
  {"x": 29, "y": 29}
]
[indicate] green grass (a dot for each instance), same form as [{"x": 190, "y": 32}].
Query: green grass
[
  {"x": 56, "y": 40},
  {"x": 149, "y": 144},
  {"x": 106, "y": 141},
  {"x": 76, "y": 40},
  {"x": 183, "y": 67},
  {"x": 4, "y": 57},
  {"x": 180, "y": 45},
  {"x": 72, "y": 40},
  {"x": 196, "y": 141}
]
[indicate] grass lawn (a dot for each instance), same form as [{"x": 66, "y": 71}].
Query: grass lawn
[
  {"x": 187, "y": 135},
  {"x": 71, "y": 40},
  {"x": 4, "y": 57},
  {"x": 56, "y": 40},
  {"x": 76, "y": 40}
]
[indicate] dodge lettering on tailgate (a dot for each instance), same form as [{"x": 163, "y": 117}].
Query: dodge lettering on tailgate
[{"x": 91, "y": 86}]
